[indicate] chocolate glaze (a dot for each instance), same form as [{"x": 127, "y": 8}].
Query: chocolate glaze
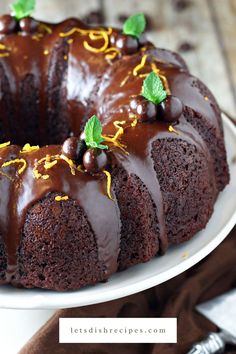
[{"x": 94, "y": 84}]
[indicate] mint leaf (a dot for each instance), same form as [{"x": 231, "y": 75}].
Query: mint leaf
[
  {"x": 135, "y": 25},
  {"x": 153, "y": 89},
  {"x": 93, "y": 133},
  {"x": 22, "y": 8}
]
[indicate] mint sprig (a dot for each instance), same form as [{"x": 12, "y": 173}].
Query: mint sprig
[
  {"x": 153, "y": 89},
  {"x": 93, "y": 133},
  {"x": 22, "y": 8},
  {"x": 135, "y": 25}
]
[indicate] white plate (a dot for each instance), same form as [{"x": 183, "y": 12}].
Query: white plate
[{"x": 143, "y": 276}]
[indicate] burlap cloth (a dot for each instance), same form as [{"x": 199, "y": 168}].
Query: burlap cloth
[{"x": 175, "y": 298}]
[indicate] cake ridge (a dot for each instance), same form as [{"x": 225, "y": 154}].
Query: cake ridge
[{"x": 27, "y": 189}]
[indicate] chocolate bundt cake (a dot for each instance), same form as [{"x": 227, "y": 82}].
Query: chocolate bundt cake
[{"x": 106, "y": 192}]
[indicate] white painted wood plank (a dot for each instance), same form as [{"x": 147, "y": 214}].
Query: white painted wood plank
[
  {"x": 152, "y": 8},
  {"x": 57, "y": 10},
  {"x": 4, "y": 7},
  {"x": 194, "y": 25},
  {"x": 226, "y": 21}
]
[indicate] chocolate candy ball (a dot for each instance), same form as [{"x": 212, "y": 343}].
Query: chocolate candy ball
[
  {"x": 95, "y": 160},
  {"x": 170, "y": 109},
  {"x": 74, "y": 149},
  {"x": 28, "y": 25},
  {"x": 145, "y": 110},
  {"x": 126, "y": 44},
  {"x": 143, "y": 40},
  {"x": 8, "y": 24},
  {"x": 113, "y": 38},
  {"x": 82, "y": 136}
]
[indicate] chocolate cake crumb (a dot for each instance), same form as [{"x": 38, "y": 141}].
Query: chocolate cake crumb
[
  {"x": 180, "y": 5},
  {"x": 186, "y": 47},
  {"x": 95, "y": 17}
]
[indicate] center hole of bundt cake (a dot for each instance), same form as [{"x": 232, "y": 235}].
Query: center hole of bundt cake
[
  {"x": 36, "y": 116},
  {"x": 34, "y": 131}
]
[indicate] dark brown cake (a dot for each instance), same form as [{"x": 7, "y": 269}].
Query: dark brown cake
[{"x": 62, "y": 227}]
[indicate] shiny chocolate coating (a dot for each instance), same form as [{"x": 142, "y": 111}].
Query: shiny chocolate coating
[
  {"x": 82, "y": 136},
  {"x": 74, "y": 149},
  {"x": 170, "y": 109},
  {"x": 95, "y": 160},
  {"x": 28, "y": 25},
  {"x": 145, "y": 110},
  {"x": 143, "y": 40},
  {"x": 113, "y": 38},
  {"x": 8, "y": 24}
]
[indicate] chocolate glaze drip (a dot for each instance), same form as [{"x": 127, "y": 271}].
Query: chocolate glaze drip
[{"x": 91, "y": 84}]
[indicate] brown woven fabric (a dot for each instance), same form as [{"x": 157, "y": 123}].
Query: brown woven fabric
[{"x": 175, "y": 298}]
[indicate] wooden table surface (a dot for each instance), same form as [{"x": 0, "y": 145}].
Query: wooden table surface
[{"x": 207, "y": 26}]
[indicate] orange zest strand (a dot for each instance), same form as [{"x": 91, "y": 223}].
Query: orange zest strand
[
  {"x": 125, "y": 80},
  {"x": 3, "y": 55},
  {"x": 115, "y": 139},
  {"x": 134, "y": 123},
  {"x": 51, "y": 161},
  {"x": 70, "y": 163},
  {"x": 58, "y": 198},
  {"x": 112, "y": 53},
  {"x": 108, "y": 175},
  {"x": 140, "y": 66},
  {"x": 118, "y": 125},
  {"x": 29, "y": 148},
  {"x": 45, "y": 177},
  {"x": 165, "y": 83},
  {"x": 162, "y": 77},
  {"x": 97, "y": 50},
  {"x": 114, "y": 142},
  {"x": 36, "y": 173},
  {"x": 80, "y": 168},
  {"x": 16, "y": 161},
  {"x": 154, "y": 68},
  {"x": 49, "y": 165},
  {"x": 172, "y": 130},
  {"x": 94, "y": 35},
  {"x": 37, "y": 36},
  {"x": 3, "y": 145},
  {"x": 85, "y": 32},
  {"x": 45, "y": 27}
]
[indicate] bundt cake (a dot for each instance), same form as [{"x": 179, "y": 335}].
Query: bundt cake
[{"x": 132, "y": 155}]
